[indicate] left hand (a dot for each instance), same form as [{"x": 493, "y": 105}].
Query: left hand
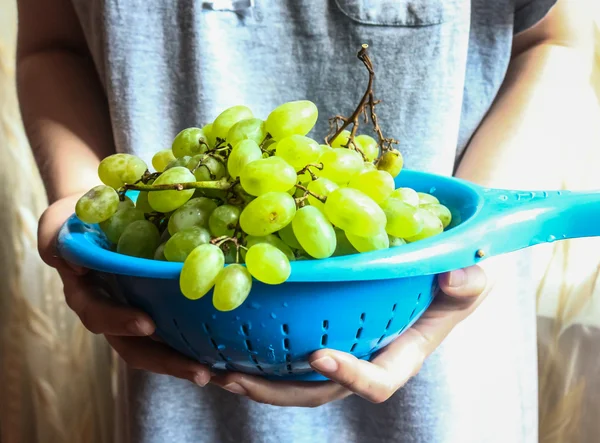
[{"x": 376, "y": 380}]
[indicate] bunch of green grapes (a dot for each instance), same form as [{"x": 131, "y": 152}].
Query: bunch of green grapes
[{"x": 242, "y": 197}]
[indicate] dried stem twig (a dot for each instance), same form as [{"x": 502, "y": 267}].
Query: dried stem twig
[{"x": 367, "y": 103}]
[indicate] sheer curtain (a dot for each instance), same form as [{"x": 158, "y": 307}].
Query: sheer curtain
[{"x": 55, "y": 378}]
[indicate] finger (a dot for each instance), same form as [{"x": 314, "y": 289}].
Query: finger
[
  {"x": 467, "y": 282},
  {"x": 378, "y": 380},
  {"x": 49, "y": 225},
  {"x": 280, "y": 393},
  {"x": 101, "y": 315},
  {"x": 145, "y": 354}
]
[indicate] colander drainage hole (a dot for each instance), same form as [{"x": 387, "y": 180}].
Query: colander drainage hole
[
  {"x": 387, "y": 327},
  {"x": 285, "y": 330},
  {"x": 324, "y": 340},
  {"x": 256, "y": 363},
  {"x": 325, "y": 325},
  {"x": 412, "y": 314},
  {"x": 245, "y": 330},
  {"x": 288, "y": 359},
  {"x": 358, "y": 331},
  {"x": 185, "y": 340},
  {"x": 213, "y": 342}
]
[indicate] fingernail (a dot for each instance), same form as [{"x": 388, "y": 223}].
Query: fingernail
[
  {"x": 235, "y": 388},
  {"x": 457, "y": 278},
  {"x": 325, "y": 364},
  {"x": 200, "y": 378},
  {"x": 140, "y": 327}
]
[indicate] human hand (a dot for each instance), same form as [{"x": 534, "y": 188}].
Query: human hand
[
  {"x": 128, "y": 330},
  {"x": 460, "y": 293}
]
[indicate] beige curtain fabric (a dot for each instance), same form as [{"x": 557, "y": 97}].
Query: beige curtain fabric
[
  {"x": 57, "y": 381},
  {"x": 55, "y": 378}
]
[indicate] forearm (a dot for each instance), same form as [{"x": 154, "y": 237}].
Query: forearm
[
  {"x": 529, "y": 133},
  {"x": 66, "y": 118}
]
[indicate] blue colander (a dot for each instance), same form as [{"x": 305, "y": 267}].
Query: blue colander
[{"x": 357, "y": 303}]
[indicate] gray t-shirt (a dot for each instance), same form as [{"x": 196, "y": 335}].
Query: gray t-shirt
[{"x": 169, "y": 65}]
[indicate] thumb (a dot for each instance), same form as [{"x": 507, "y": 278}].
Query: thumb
[
  {"x": 49, "y": 224},
  {"x": 462, "y": 283}
]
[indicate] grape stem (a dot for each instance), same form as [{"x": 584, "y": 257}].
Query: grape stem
[
  {"x": 207, "y": 184},
  {"x": 321, "y": 198},
  {"x": 306, "y": 169},
  {"x": 338, "y": 123}
]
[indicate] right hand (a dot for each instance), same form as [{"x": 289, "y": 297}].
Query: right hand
[{"x": 128, "y": 330}]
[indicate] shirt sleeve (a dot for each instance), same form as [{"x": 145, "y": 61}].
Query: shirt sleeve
[{"x": 529, "y": 12}]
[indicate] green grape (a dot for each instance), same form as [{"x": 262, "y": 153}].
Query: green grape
[
  {"x": 322, "y": 187},
  {"x": 268, "y": 213},
  {"x": 286, "y": 234},
  {"x": 343, "y": 245},
  {"x": 440, "y": 211},
  {"x": 115, "y": 225},
  {"x": 209, "y": 169},
  {"x": 403, "y": 219},
  {"x": 341, "y": 141},
  {"x": 232, "y": 287},
  {"x": 391, "y": 162},
  {"x": 271, "y": 174},
  {"x": 207, "y": 129},
  {"x": 125, "y": 204},
  {"x": 189, "y": 142},
  {"x": 324, "y": 149},
  {"x": 427, "y": 199},
  {"x": 142, "y": 203},
  {"x": 167, "y": 201},
  {"x": 340, "y": 165},
  {"x": 369, "y": 146},
  {"x": 242, "y": 153},
  {"x": 368, "y": 166},
  {"x": 269, "y": 145},
  {"x": 162, "y": 159},
  {"x": 314, "y": 232},
  {"x": 179, "y": 162},
  {"x": 354, "y": 212},
  {"x": 200, "y": 270},
  {"x": 396, "y": 241},
  {"x": 407, "y": 195},
  {"x": 159, "y": 254},
  {"x": 367, "y": 244},
  {"x": 432, "y": 225},
  {"x": 272, "y": 239},
  {"x": 292, "y": 118},
  {"x": 97, "y": 205},
  {"x": 226, "y": 120},
  {"x": 139, "y": 239},
  {"x": 298, "y": 151},
  {"x": 376, "y": 184},
  {"x": 165, "y": 236},
  {"x": 118, "y": 169},
  {"x": 268, "y": 264},
  {"x": 179, "y": 246},
  {"x": 194, "y": 212},
  {"x": 223, "y": 220},
  {"x": 249, "y": 129}
]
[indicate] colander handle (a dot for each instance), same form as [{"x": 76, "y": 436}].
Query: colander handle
[{"x": 518, "y": 219}]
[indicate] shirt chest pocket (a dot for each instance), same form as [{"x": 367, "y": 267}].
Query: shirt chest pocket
[{"x": 397, "y": 12}]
